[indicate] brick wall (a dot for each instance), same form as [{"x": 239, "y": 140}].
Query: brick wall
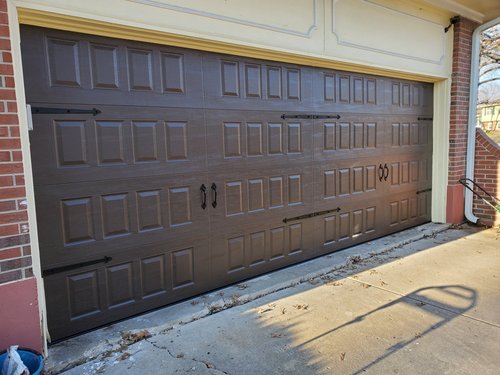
[
  {"x": 459, "y": 117},
  {"x": 487, "y": 174},
  {"x": 15, "y": 251}
]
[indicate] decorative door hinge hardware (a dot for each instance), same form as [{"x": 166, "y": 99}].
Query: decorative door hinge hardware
[
  {"x": 424, "y": 118},
  {"x": 64, "y": 111},
  {"x": 423, "y": 191},
  {"x": 285, "y": 116},
  {"x": 52, "y": 271},
  {"x": 313, "y": 214}
]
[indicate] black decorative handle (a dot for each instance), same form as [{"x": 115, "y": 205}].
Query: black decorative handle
[
  {"x": 386, "y": 174},
  {"x": 203, "y": 190},
  {"x": 214, "y": 195},
  {"x": 380, "y": 172}
]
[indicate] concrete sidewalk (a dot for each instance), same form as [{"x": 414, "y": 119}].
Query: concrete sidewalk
[{"x": 431, "y": 306}]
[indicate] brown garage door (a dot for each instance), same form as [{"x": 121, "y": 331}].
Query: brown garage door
[{"x": 203, "y": 169}]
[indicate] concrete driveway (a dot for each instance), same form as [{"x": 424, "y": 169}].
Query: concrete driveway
[{"x": 428, "y": 307}]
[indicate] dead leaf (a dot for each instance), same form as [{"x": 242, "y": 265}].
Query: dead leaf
[
  {"x": 283, "y": 311},
  {"x": 372, "y": 272},
  {"x": 129, "y": 338},
  {"x": 276, "y": 334},
  {"x": 420, "y": 303},
  {"x": 366, "y": 286},
  {"x": 194, "y": 302},
  {"x": 242, "y": 286},
  {"x": 382, "y": 283},
  {"x": 342, "y": 356},
  {"x": 124, "y": 356},
  {"x": 268, "y": 308},
  {"x": 301, "y": 306},
  {"x": 210, "y": 365},
  {"x": 313, "y": 281},
  {"x": 334, "y": 283}
]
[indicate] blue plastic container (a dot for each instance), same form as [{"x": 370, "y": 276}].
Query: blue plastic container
[{"x": 31, "y": 359}]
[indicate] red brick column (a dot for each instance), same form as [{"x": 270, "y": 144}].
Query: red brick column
[
  {"x": 459, "y": 118},
  {"x": 19, "y": 316},
  {"x": 487, "y": 175}
]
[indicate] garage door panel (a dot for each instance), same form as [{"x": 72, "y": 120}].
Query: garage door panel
[
  {"x": 242, "y": 83},
  {"x": 126, "y": 285},
  {"x": 117, "y": 143},
  {"x": 89, "y": 69},
  {"x": 256, "y": 140},
  {"x": 118, "y": 216}
]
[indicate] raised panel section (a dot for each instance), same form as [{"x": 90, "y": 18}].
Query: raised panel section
[
  {"x": 145, "y": 141},
  {"x": 395, "y": 134},
  {"x": 177, "y": 140},
  {"x": 370, "y": 177},
  {"x": 293, "y": 84},
  {"x": 140, "y": 69},
  {"x": 344, "y": 89},
  {"x": 179, "y": 203},
  {"x": 110, "y": 142},
  {"x": 235, "y": 254},
  {"x": 330, "y": 189},
  {"x": 153, "y": 276},
  {"x": 294, "y": 189},
  {"x": 277, "y": 242},
  {"x": 405, "y": 134},
  {"x": 405, "y": 94},
  {"x": 172, "y": 69},
  {"x": 396, "y": 94},
  {"x": 394, "y": 213},
  {"x": 275, "y": 138},
  {"x": 71, "y": 143},
  {"x": 104, "y": 66},
  {"x": 423, "y": 205},
  {"x": 294, "y": 138},
  {"x": 357, "y": 223},
  {"x": 119, "y": 285},
  {"x": 405, "y": 172},
  {"x": 414, "y": 134},
  {"x": 64, "y": 65},
  {"x": 413, "y": 208},
  {"x": 83, "y": 295},
  {"x": 371, "y": 91},
  {"x": 330, "y": 229},
  {"x": 423, "y": 134},
  {"x": 234, "y": 198},
  {"x": 344, "y": 181},
  {"x": 370, "y": 219},
  {"x": 78, "y": 224},
  {"x": 273, "y": 82},
  {"x": 357, "y": 133},
  {"x": 358, "y": 93},
  {"x": 257, "y": 248},
  {"x": 149, "y": 210},
  {"x": 344, "y": 226},
  {"x": 295, "y": 238},
  {"x": 252, "y": 81},
  {"x": 371, "y": 135},
  {"x": 232, "y": 140},
  {"x": 329, "y": 85},
  {"x": 255, "y": 195},
  {"x": 415, "y": 95},
  {"x": 405, "y": 206},
  {"x": 115, "y": 216},
  {"x": 329, "y": 137},
  {"x": 394, "y": 173},
  {"x": 230, "y": 78},
  {"x": 414, "y": 171},
  {"x": 344, "y": 136},
  {"x": 276, "y": 192},
  {"x": 357, "y": 179},
  {"x": 254, "y": 139},
  {"x": 182, "y": 268}
]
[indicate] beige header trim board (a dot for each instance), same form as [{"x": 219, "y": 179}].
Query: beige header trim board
[{"x": 88, "y": 26}]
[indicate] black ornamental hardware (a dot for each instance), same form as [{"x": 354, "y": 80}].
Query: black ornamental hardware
[
  {"x": 52, "y": 271},
  {"x": 63, "y": 111},
  {"x": 424, "y": 191},
  {"x": 313, "y": 214},
  {"x": 424, "y": 118},
  {"x": 285, "y": 116}
]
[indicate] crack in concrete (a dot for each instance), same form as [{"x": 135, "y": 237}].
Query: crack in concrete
[{"x": 207, "y": 364}]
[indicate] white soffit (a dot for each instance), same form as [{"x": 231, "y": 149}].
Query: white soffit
[{"x": 477, "y": 10}]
